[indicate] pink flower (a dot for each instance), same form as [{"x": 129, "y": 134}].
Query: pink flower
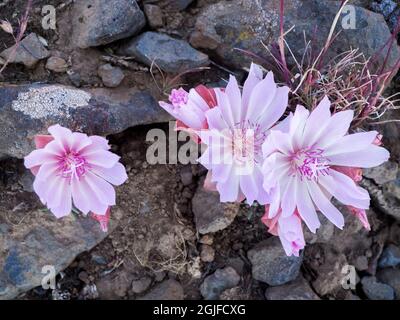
[
  {"x": 378, "y": 140},
  {"x": 103, "y": 220},
  {"x": 73, "y": 167},
  {"x": 356, "y": 175},
  {"x": 288, "y": 229},
  {"x": 238, "y": 126},
  {"x": 301, "y": 165},
  {"x": 189, "y": 108},
  {"x": 361, "y": 215}
]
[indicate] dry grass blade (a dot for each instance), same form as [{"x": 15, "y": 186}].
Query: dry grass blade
[
  {"x": 347, "y": 79},
  {"x": 168, "y": 84},
  {"x": 22, "y": 28}
]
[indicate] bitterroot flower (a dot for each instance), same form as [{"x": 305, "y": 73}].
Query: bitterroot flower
[
  {"x": 102, "y": 219},
  {"x": 6, "y": 26},
  {"x": 289, "y": 230},
  {"x": 71, "y": 167},
  {"x": 237, "y": 127},
  {"x": 302, "y": 161},
  {"x": 189, "y": 108}
]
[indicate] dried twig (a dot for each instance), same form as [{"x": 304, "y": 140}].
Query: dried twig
[
  {"x": 167, "y": 84},
  {"x": 124, "y": 62}
]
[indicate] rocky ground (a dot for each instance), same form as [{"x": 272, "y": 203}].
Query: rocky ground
[{"x": 102, "y": 71}]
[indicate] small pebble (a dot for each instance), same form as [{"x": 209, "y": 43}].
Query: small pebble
[
  {"x": 141, "y": 285},
  {"x": 154, "y": 15},
  {"x": 390, "y": 257},
  {"x": 186, "y": 175},
  {"x": 376, "y": 290},
  {"x": 207, "y": 253},
  {"x": 75, "y": 78},
  {"x": 56, "y": 64},
  {"x": 361, "y": 263},
  {"x": 207, "y": 239},
  {"x": 111, "y": 76},
  {"x": 84, "y": 277}
]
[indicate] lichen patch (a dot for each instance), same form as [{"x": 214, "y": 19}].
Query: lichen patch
[{"x": 42, "y": 102}]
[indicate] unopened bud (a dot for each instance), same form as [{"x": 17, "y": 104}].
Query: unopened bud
[{"x": 6, "y": 26}]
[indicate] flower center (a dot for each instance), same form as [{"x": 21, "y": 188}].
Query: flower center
[
  {"x": 243, "y": 145},
  {"x": 247, "y": 143},
  {"x": 310, "y": 163},
  {"x": 178, "y": 97},
  {"x": 297, "y": 245},
  {"x": 73, "y": 165}
]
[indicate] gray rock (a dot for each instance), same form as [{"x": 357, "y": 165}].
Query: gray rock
[
  {"x": 99, "y": 22},
  {"x": 167, "y": 290},
  {"x": 154, "y": 15},
  {"x": 361, "y": 263},
  {"x": 26, "y": 181},
  {"x": 207, "y": 239},
  {"x": 236, "y": 293},
  {"x": 327, "y": 265},
  {"x": 56, "y": 64},
  {"x": 171, "y": 5},
  {"x": 248, "y": 24},
  {"x": 75, "y": 78},
  {"x": 350, "y": 296},
  {"x": 99, "y": 260},
  {"x": 383, "y": 182},
  {"x": 296, "y": 290},
  {"x": 361, "y": 3},
  {"x": 394, "y": 234},
  {"x": 179, "y": 4},
  {"x": 210, "y": 214},
  {"x": 389, "y": 9},
  {"x": 354, "y": 235},
  {"x": 30, "y": 51},
  {"x": 218, "y": 282},
  {"x": 386, "y": 197},
  {"x": 186, "y": 175},
  {"x": 112, "y": 287},
  {"x": 141, "y": 285},
  {"x": 170, "y": 54},
  {"x": 382, "y": 174},
  {"x": 390, "y": 131},
  {"x": 390, "y": 277},
  {"x": 324, "y": 233},
  {"x": 159, "y": 275},
  {"x": 89, "y": 292},
  {"x": 28, "y": 110},
  {"x": 237, "y": 264},
  {"x": 390, "y": 257},
  {"x": 42, "y": 240},
  {"x": 392, "y": 189},
  {"x": 207, "y": 253},
  {"x": 271, "y": 265},
  {"x": 84, "y": 277},
  {"x": 375, "y": 290},
  {"x": 111, "y": 76}
]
